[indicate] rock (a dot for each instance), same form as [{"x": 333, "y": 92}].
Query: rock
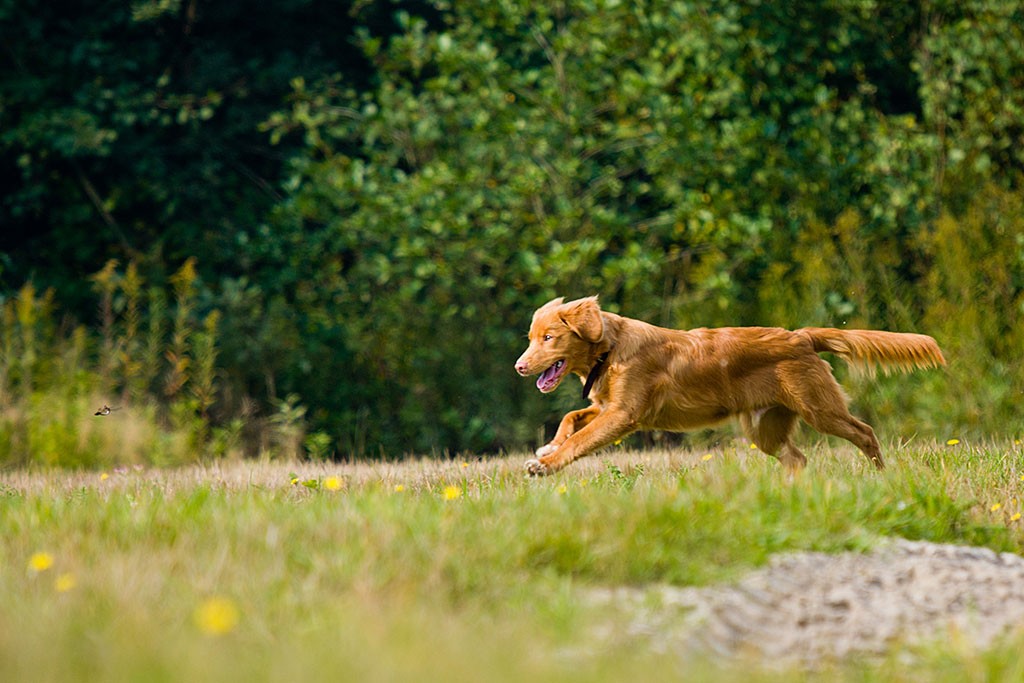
[{"x": 808, "y": 606}]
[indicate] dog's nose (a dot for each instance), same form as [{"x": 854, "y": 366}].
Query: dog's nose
[{"x": 521, "y": 367}]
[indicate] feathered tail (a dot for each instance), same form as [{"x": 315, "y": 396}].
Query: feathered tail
[{"x": 866, "y": 350}]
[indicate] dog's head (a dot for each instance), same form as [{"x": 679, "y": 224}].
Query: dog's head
[{"x": 562, "y": 337}]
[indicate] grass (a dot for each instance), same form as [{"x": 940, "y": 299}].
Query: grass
[{"x": 452, "y": 570}]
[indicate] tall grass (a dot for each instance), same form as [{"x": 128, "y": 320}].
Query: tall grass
[
  {"x": 964, "y": 289},
  {"x": 154, "y": 350},
  {"x": 450, "y": 570},
  {"x": 155, "y": 365}
]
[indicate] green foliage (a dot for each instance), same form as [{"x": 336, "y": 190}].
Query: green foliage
[
  {"x": 130, "y": 130},
  {"x": 975, "y": 302},
  {"x": 130, "y": 356},
  {"x": 288, "y": 422},
  {"x": 165, "y": 390},
  {"x": 359, "y": 206},
  {"x": 969, "y": 65},
  {"x": 318, "y": 446},
  {"x": 735, "y": 164},
  {"x": 182, "y": 328}
]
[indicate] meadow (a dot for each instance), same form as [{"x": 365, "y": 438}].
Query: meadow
[{"x": 457, "y": 569}]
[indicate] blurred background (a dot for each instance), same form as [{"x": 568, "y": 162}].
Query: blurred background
[{"x": 318, "y": 228}]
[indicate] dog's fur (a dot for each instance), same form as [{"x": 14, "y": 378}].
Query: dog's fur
[{"x": 678, "y": 380}]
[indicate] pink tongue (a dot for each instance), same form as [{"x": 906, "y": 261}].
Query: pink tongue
[{"x": 547, "y": 377}]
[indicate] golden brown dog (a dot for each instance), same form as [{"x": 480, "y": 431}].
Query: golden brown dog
[{"x": 638, "y": 376}]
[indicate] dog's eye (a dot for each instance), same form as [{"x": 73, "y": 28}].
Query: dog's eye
[{"x": 548, "y": 337}]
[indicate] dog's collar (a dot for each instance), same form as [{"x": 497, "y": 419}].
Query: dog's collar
[{"x": 594, "y": 373}]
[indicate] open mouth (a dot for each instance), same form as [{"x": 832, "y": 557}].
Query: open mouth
[{"x": 550, "y": 378}]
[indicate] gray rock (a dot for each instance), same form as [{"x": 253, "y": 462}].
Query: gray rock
[{"x": 809, "y": 606}]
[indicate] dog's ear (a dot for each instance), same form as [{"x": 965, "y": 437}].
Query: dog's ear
[{"x": 583, "y": 317}]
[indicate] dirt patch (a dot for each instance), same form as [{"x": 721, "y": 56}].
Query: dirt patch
[{"x": 810, "y": 606}]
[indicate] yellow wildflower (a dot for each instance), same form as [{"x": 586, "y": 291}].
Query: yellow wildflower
[
  {"x": 995, "y": 506},
  {"x": 295, "y": 481},
  {"x": 452, "y": 492},
  {"x": 104, "y": 476},
  {"x": 332, "y": 483},
  {"x": 952, "y": 442},
  {"x": 64, "y": 583},
  {"x": 40, "y": 562},
  {"x": 464, "y": 465},
  {"x": 399, "y": 488},
  {"x": 563, "y": 488},
  {"x": 216, "y": 616},
  {"x": 1015, "y": 516},
  {"x": 753, "y": 446},
  {"x": 707, "y": 457}
]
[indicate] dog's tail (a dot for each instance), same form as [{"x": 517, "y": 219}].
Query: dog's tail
[{"x": 866, "y": 350}]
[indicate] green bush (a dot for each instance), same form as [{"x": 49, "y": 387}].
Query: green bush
[{"x": 370, "y": 278}]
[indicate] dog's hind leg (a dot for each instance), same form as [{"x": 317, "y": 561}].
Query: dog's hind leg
[
  {"x": 770, "y": 430},
  {"x": 845, "y": 425},
  {"x": 819, "y": 400}
]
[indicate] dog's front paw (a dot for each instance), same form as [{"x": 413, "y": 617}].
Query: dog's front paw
[
  {"x": 545, "y": 450},
  {"x": 535, "y": 468}
]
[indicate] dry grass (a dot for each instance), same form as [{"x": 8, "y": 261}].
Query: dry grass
[{"x": 441, "y": 569}]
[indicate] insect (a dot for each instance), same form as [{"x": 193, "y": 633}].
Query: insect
[{"x": 106, "y": 410}]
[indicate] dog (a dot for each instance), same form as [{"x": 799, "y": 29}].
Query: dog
[{"x": 640, "y": 377}]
